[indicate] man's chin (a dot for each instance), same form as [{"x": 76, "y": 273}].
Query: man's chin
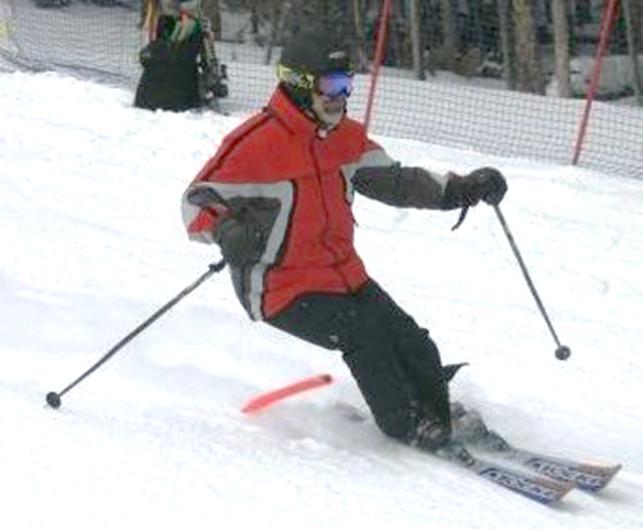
[
  {"x": 332, "y": 119},
  {"x": 332, "y": 116}
]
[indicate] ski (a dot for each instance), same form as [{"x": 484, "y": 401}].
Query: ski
[
  {"x": 552, "y": 478},
  {"x": 590, "y": 477},
  {"x": 540, "y": 489}
]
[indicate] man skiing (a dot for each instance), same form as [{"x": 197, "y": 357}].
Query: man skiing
[{"x": 277, "y": 199}]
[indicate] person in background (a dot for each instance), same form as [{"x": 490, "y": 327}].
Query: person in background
[
  {"x": 180, "y": 68},
  {"x": 277, "y": 198}
]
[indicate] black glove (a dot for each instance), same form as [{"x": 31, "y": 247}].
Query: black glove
[
  {"x": 241, "y": 242},
  {"x": 486, "y": 184}
]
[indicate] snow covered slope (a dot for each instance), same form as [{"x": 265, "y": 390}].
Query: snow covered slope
[{"x": 92, "y": 244}]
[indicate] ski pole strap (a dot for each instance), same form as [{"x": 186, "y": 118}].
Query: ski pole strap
[
  {"x": 463, "y": 215},
  {"x": 450, "y": 370},
  {"x": 217, "y": 267}
]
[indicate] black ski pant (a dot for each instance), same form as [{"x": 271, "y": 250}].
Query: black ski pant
[{"x": 394, "y": 361}]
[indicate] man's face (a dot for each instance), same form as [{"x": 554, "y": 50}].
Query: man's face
[
  {"x": 330, "y": 111},
  {"x": 329, "y": 97}
]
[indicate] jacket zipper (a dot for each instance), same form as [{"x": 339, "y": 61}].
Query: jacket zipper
[{"x": 324, "y": 241}]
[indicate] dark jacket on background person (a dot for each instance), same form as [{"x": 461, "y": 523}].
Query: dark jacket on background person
[{"x": 170, "y": 78}]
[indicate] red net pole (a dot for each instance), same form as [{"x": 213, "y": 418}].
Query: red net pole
[
  {"x": 607, "y": 24},
  {"x": 380, "y": 45}
]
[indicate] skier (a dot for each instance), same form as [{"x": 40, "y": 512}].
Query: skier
[{"x": 277, "y": 197}]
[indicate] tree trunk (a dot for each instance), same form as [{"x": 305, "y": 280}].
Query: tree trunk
[
  {"x": 636, "y": 8},
  {"x": 507, "y": 42},
  {"x": 416, "y": 39},
  {"x": 561, "y": 40},
  {"x": 276, "y": 22},
  {"x": 529, "y": 72},
  {"x": 359, "y": 15},
  {"x": 212, "y": 12},
  {"x": 631, "y": 26},
  {"x": 449, "y": 31}
]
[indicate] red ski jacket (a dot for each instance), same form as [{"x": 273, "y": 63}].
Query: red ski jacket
[{"x": 299, "y": 180}]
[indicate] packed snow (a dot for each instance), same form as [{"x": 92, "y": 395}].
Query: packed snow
[{"x": 93, "y": 244}]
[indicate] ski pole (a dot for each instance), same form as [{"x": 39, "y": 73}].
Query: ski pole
[
  {"x": 562, "y": 351},
  {"x": 54, "y": 398}
]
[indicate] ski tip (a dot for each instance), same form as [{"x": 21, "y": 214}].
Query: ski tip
[
  {"x": 599, "y": 480},
  {"x": 589, "y": 477},
  {"x": 557, "y": 491}
]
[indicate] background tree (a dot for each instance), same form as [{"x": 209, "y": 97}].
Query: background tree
[
  {"x": 559, "y": 12},
  {"x": 416, "y": 39},
  {"x": 528, "y": 64},
  {"x": 277, "y": 14},
  {"x": 507, "y": 42},
  {"x": 212, "y": 12},
  {"x": 633, "y": 13},
  {"x": 448, "y": 16},
  {"x": 359, "y": 13}
]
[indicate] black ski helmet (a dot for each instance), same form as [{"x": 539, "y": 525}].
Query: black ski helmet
[
  {"x": 315, "y": 52},
  {"x": 307, "y": 55}
]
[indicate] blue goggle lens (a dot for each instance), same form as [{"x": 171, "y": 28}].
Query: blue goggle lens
[{"x": 335, "y": 84}]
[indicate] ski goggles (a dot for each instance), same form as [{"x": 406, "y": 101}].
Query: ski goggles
[{"x": 333, "y": 84}]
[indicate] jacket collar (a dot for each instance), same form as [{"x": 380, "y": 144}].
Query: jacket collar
[{"x": 293, "y": 118}]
